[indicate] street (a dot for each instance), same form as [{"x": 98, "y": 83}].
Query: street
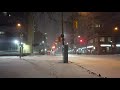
[
  {"x": 49, "y": 66},
  {"x": 40, "y": 66},
  {"x": 105, "y": 65}
]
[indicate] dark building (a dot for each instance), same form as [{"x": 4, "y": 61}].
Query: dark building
[
  {"x": 104, "y": 35},
  {"x": 36, "y": 39},
  {"x": 40, "y": 44},
  {"x": 9, "y": 31}
]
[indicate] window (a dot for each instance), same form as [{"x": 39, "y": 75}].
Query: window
[
  {"x": 91, "y": 41},
  {"x": 109, "y": 39},
  {"x": 1, "y": 33},
  {"x": 97, "y": 25},
  {"x": 102, "y": 39}
]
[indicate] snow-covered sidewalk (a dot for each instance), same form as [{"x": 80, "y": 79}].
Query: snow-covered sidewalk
[
  {"x": 104, "y": 65},
  {"x": 41, "y": 67}
]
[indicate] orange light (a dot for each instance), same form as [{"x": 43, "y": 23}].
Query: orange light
[
  {"x": 19, "y": 25},
  {"x": 53, "y": 47},
  {"x": 75, "y": 24},
  {"x": 116, "y": 29}
]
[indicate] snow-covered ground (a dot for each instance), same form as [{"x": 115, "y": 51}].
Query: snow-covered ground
[
  {"x": 105, "y": 65},
  {"x": 41, "y": 67}
]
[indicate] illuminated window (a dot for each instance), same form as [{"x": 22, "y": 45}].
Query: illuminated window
[
  {"x": 102, "y": 39},
  {"x": 2, "y": 33},
  {"x": 91, "y": 41},
  {"x": 75, "y": 24},
  {"x": 109, "y": 39},
  {"x": 97, "y": 25}
]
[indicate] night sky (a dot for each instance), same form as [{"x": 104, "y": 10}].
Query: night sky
[
  {"x": 51, "y": 23},
  {"x": 44, "y": 20},
  {"x": 50, "y": 26}
]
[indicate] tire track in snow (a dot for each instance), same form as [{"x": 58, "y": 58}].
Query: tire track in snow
[
  {"x": 53, "y": 71},
  {"x": 89, "y": 71}
]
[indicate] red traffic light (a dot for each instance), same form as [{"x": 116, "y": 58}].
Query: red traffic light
[{"x": 81, "y": 40}]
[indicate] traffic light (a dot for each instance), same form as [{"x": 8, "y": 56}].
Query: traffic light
[
  {"x": 75, "y": 24},
  {"x": 81, "y": 40}
]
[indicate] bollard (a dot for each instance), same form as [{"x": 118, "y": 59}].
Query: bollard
[{"x": 65, "y": 53}]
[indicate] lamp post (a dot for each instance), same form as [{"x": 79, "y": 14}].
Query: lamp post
[
  {"x": 21, "y": 36},
  {"x": 65, "y": 47},
  {"x": 62, "y": 35},
  {"x": 114, "y": 32}
]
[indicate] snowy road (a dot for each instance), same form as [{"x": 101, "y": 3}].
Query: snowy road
[
  {"x": 80, "y": 66},
  {"x": 105, "y": 65},
  {"x": 41, "y": 67}
]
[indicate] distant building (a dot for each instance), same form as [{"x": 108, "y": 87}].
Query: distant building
[
  {"x": 40, "y": 42},
  {"x": 103, "y": 37},
  {"x": 36, "y": 39},
  {"x": 10, "y": 35}
]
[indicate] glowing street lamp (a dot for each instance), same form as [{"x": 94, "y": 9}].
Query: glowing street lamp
[
  {"x": 19, "y": 25},
  {"x": 43, "y": 42},
  {"x": 116, "y": 29},
  {"x": 21, "y": 37},
  {"x": 16, "y": 41},
  {"x": 45, "y": 49},
  {"x": 78, "y": 36}
]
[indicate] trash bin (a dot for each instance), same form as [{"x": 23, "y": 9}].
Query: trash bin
[{"x": 65, "y": 53}]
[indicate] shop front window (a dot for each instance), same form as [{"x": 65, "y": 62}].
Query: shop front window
[
  {"x": 102, "y": 39},
  {"x": 109, "y": 39}
]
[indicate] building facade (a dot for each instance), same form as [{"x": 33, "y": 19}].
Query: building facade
[
  {"x": 101, "y": 34},
  {"x": 10, "y": 34},
  {"x": 36, "y": 39}
]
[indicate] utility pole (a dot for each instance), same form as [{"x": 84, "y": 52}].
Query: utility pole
[
  {"x": 21, "y": 36},
  {"x": 73, "y": 30},
  {"x": 21, "y": 45},
  {"x": 62, "y": 35},
  {"x": 64, "y": 47}
]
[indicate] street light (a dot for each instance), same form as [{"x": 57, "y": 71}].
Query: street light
[
  {"x": 21, "y": 36},
  {"x": 43, "y": 42},
  {"x": 116, "y": 29},
  {"x": 19, "y": 25},
  {"x": 16, "y": 41},
  {"x": 78, "y": 36}
]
